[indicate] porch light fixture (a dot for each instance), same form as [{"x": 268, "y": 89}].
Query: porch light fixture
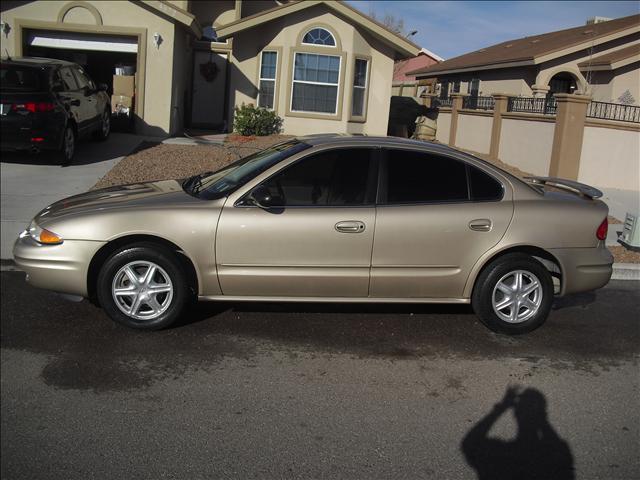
[
  {"x": 5, "y": 28},
  {"x": 157, "y": 40}
]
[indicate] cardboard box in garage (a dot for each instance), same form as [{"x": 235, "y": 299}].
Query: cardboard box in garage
[{"x": 124, "y": 85}]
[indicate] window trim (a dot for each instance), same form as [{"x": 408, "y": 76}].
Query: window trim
[
  {"x": 320, "y": 27},
  {"x": 381, "y": 200},
  {"x": 365, "y": 104},
  {"x": 276, "y": 80},
  {"x": 337, "y": 115}
]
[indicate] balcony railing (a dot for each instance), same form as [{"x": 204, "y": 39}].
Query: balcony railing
[
  {"x": 543, "y": 105},
  {"x": 478, "y": 103},
  {"x": 614, "y": 111}
]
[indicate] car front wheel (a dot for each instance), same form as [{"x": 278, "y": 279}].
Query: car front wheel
[
  {"x": 143, "y": 286},
  {"x": 513, "y": 294},
  {"x": 105, "y": 126},
  {"x": 68, "y": 149}
]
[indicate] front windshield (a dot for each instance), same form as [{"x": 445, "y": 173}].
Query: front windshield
[{"x": 212, "y": 185}]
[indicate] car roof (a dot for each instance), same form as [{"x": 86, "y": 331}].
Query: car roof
[
  {"x": 379, "y": 141},
  {"x": 35, "y": 61}
]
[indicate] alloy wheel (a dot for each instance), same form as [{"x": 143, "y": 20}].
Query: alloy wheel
[
  {"x": 142, "y": 290},
  {"x": 517, "y": 296}
]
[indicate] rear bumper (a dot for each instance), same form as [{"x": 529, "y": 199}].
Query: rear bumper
[
  {"x": 62, "y": 268},
  {"x": 583, "y": 269}
]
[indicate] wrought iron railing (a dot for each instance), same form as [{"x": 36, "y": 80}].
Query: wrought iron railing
[
  {"x": 478, "y": 103},
  {"x": 614, "y": 111},
  {"x": 441, "y": 102},
  {"x": 543, "y": 105}
]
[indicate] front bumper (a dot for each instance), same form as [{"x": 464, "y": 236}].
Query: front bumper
[
  {"x": 62, "y": 268},
  {"x": 583, "y": 269}
]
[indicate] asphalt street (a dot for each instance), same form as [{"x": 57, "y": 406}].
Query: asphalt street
[{"x": 319, "y": 391}]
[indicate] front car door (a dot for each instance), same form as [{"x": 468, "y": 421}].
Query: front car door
[
  {"x": 317, "y": 244},
  {"x": 71, "y": 95},
  {"x": 436, "y": 216},
  {"x": 90, "y": 106}
]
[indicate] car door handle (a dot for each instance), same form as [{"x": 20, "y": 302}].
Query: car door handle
[
  {"x": 350, "y": 226},
  {"x": 480, "y": 225}
]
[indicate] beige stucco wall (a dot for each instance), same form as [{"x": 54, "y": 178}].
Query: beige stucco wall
[
  {"x": 156, "y": 111},
  {"x": 610, "y": 158},
  {"x": 627, "y": 78},
  {"x": 474, "y": 132},
  {"x": 443, "y": 123},
  {"x": 215, "y": 13},
  {"x": 283, "y": 34},
  {"x": 526, "y": 144}
]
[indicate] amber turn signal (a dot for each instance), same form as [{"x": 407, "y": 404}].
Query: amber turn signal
[{"x": 49, "y": 237}]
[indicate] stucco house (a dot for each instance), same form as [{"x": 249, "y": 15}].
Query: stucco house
[
  {"x": 601, "y": 58},
  {"x": 404, "y": 82},
  {"x": 321, "y": 65}
]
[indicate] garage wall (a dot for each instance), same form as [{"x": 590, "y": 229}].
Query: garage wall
[{"x": 155, "y": 97}]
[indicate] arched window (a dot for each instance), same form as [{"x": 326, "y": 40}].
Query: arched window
[{"x": 319, "y": 36}]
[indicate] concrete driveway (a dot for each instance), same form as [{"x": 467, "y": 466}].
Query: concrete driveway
[{"x": 31, "y": 182}]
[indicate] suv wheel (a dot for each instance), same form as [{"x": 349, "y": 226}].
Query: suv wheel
[
  {"x": 143, "y": 286},
  {"x": 513, "y": 294},
  {"x": 105, "y": 126},
  {"x": 68, "y": 149}
]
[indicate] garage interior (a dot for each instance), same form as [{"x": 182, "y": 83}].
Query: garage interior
[{"x": 98, "y": 54}]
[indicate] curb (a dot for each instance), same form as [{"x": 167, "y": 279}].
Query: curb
[
  {"x": 621, "y": 271},
  {"x": 626, "y": 271}
]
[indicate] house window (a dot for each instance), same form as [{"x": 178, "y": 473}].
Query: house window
[
  {"x": 268, "y": 70},
  {"x": 359, "y": 95},
  {"x": 456, "y": 87},
  {"x": 319, "y": 36},
  {"x": 444, "y": 89},
  {"x": 474, "y": 87},
  {"x": 315, "y": 83}
]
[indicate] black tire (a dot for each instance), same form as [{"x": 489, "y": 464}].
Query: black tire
[
  {"x": 144, "y": 252},
  {"x": 105, "y": 126},
  {"x": 68, "y": 148},
  {"x": 483, "y": 294}
]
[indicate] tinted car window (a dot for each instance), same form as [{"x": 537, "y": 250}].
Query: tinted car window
[
  {"x": 331, "y": 178},
  {"x": 483, "y": 186},
  {"x": 27, "y": 79},
  {"x": 68, "y": 80},
  {"x": 416, "y": 177},
  {"x": 83, "y": 79}
]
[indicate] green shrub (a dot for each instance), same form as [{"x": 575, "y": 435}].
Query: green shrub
[{"x": 250, "y": 120}]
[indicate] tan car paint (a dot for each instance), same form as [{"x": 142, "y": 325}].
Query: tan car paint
[{"x": 298, "y": 254}]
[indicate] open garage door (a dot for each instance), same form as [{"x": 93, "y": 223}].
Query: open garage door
[{"x": 97, "y": 53}]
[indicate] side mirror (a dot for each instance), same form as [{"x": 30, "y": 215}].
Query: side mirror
[
  {"x": 263, "y": 198},
  {"x": 102, "y": 87}
]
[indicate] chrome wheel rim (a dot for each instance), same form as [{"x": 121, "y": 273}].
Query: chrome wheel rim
[
  {"x": 142, "y": 290},
  {"x": 517, "y": 296},
  {"x": 68, "y": 144},
  {"x": 106, "y": 123}
]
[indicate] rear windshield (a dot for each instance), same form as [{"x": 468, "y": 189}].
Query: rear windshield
[{"x": 19, "y": 78}]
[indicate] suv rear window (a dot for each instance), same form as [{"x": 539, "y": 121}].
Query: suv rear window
[{"x": 23, "y": 79}]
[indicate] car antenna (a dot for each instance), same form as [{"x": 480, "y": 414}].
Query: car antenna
[{"x": 8, "y": 56}]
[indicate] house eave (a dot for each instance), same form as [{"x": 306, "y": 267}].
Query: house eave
[
  {"x": 181, "y": 16},
  {"x": 495, "y": 66}
]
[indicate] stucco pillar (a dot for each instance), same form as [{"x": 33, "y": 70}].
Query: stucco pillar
[
  {"x": 567, "y": 136},
  {"x": 500, "y": 107},
  {"x": 540, "y": 91},
  {"x": 456, "y": 104}
]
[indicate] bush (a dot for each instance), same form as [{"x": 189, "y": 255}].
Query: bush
[{"x": 250, "y": 120}]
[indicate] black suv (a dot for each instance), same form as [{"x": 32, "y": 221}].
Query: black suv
[{"x": 48, "y": 104}]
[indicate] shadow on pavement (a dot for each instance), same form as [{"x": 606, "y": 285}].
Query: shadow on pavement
[{"x": 536, "y": 453}]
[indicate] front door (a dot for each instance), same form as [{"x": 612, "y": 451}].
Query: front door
[
  {"x": 437, "y": 216},
  {"x": 209, "y": 89},
  {"x": 317, "y": 244}
]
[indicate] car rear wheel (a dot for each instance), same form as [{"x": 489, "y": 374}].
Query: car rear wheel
[
  {"x": 105, "y": 126},
  {"x": 513, "y": 294},
  {"x": 143, "y": 286},
  {"x": 68, "y": 148}
]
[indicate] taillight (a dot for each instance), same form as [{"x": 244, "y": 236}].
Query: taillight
[
  {"x": 34, "y": 106},
  {"x": 602, "y": 230}
]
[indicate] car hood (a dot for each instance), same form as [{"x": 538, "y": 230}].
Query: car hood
[{"x": 139, "y": 195}]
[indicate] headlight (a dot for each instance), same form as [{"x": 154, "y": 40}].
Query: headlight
[{"x": 42, "y": 235}]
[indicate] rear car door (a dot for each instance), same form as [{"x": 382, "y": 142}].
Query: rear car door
[
  {"x": 72, "y": 97},
  {"x": 436, "y": 215},
  {"x": 90, "y": 106},
  {"x": 318, "y": 244}
]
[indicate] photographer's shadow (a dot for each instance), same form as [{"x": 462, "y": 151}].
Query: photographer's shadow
[{"x": 536, "y": 453}]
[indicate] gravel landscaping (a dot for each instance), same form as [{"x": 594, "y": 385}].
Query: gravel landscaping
[{"x": 158, "y": 161}]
